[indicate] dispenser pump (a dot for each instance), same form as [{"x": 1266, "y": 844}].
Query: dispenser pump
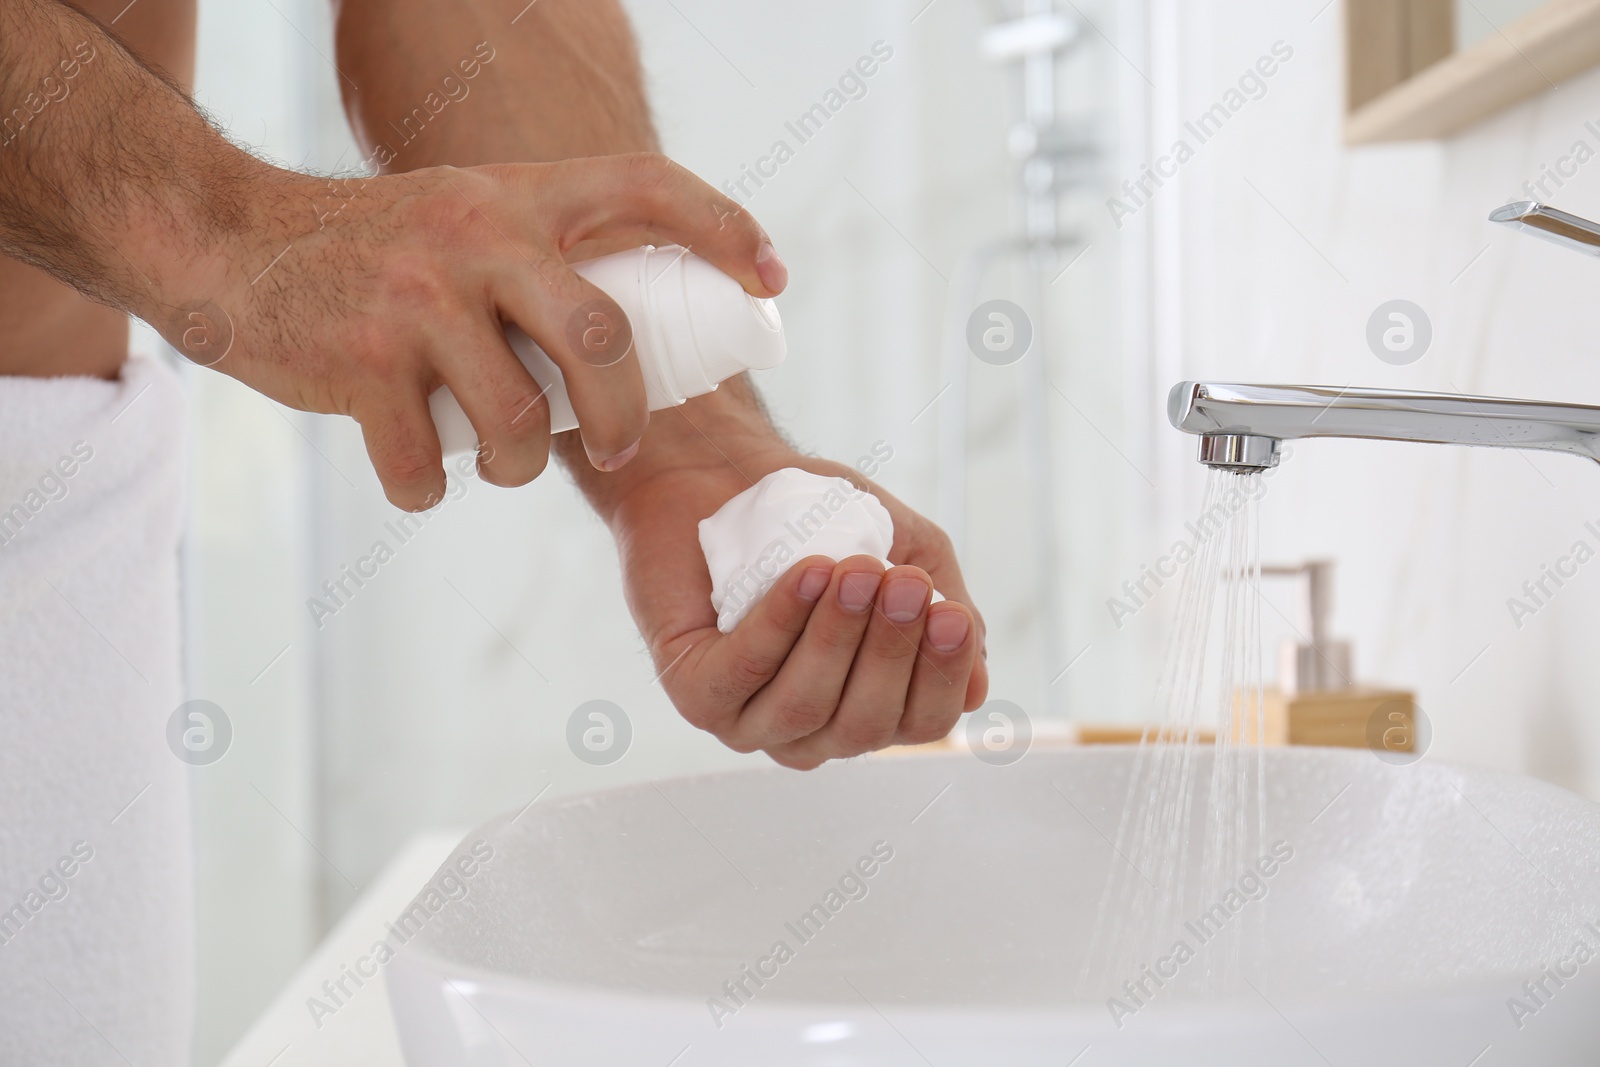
[{"x": 1321, "y": 663}]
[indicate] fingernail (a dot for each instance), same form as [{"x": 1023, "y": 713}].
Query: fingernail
[
  {"x": 904, "y": 600},
  {"x": 857, "y": 590},
  {"x": 774, "y": 275},
  {"x": 947, "y": 630},
  {"x": 617, "y": 460},
  {"x": 812, "y": 583}
]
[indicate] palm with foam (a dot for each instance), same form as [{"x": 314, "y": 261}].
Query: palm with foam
[{"x": 839, "y": 657}]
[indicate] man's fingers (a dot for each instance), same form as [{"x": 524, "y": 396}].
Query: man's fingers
[
  {"x": 804, "y": 695},
  {"x": 874, "y": 697},
  {"x": 939, "y": 682},
  {"x": 948, "y": 572},
  {"x": 505, "y": 405},
  {"x": 403, "y": 445},
  {"x": 586, "y": 334},
  {"x": 977, "y": 673},
  {"x": 722, "y": 680},
  {"x": 934, "y": 551},
  {"x": 650, "y": 198}
]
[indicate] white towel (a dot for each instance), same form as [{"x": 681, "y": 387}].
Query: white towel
[{"x": 96, "y": 945}]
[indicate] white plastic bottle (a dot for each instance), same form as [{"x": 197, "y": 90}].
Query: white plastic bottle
[{"x": 693, "y": 328}]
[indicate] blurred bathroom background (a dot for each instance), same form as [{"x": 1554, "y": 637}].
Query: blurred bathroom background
[{"x": 440, "y": 695}]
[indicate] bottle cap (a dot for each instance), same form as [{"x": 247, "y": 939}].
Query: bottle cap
[{"x": 709, "y": 328}]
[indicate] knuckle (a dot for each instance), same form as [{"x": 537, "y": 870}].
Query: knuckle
[
  {"x": 647, "y": 170},
  {"x": 939, "y": 543},
  {"x": 409, "y": 467},
  {"x": 802, "y": 716},
  {"x": 566, "y": 285},
  {"x": 366, "y": 339},
  {"x": 839, "y": 636},
  {"x": 742, "y": 745},
  {"x": 440, "y": 214},
  {"x": 520, "y": 416},
  {"x": 403, "y": 459},
  {"x": 726, "y": 693},
  {"x": 495, "y": 175},
  {"x": 795, "y": 759},
  {"x": 748, "y": 671},
  {"x": 701, "y": 717},
  {"x": 865, "y": 735},
  {"x": 926, "y": 731},
  {"x": 889, "y": 646},
  {"x": 368, "y": 359},
  {"x": 653, "y": 179},
  {"x": 788, "y": 618},
  {"x": 417, "y": 285}
]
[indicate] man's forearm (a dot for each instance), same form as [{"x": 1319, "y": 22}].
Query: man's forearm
[
  {"x": 109, "y": 178},
  {"x": 563, "y": 81}
]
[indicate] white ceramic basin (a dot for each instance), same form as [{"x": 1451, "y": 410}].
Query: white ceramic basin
[{"x": 603, "y": 929}]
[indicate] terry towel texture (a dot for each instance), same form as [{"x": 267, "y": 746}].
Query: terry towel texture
[{"x": 96, "y": 943}]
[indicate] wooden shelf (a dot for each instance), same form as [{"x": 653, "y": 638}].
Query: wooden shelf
[{"x": 1535, "y": 53}]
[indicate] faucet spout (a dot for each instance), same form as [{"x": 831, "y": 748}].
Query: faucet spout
[{"x": 1240, "y": 426}]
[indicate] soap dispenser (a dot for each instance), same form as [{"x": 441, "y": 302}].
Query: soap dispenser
[{"x": 1317, "y": 700}]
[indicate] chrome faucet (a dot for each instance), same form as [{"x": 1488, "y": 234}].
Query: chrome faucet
[
  {"x": 1552, "y": 224},
  {"x": 1242, "y": 426}
]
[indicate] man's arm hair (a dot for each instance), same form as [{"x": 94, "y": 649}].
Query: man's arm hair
[{"x": 110, "y": 178}]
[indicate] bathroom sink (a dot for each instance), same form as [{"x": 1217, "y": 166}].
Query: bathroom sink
[{"x": 936, "y": 910}]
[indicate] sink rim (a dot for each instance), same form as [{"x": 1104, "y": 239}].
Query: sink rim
[
  {"x": 423, "y": 955},
  {"x": 1309, "y": 753},
  {"x": 444, "y": 1003}
]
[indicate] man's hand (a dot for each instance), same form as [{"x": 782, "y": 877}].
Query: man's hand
[
  {"x": 361, "y": 297},
  {"x": 357, "y": 296},
  {"x": 839, "y": 658}
]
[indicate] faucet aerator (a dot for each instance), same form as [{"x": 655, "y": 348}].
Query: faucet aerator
[{"x": 1239, "y": 453}]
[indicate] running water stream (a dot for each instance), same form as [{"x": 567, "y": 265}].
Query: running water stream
[{"x": 1158, "y": 933}]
